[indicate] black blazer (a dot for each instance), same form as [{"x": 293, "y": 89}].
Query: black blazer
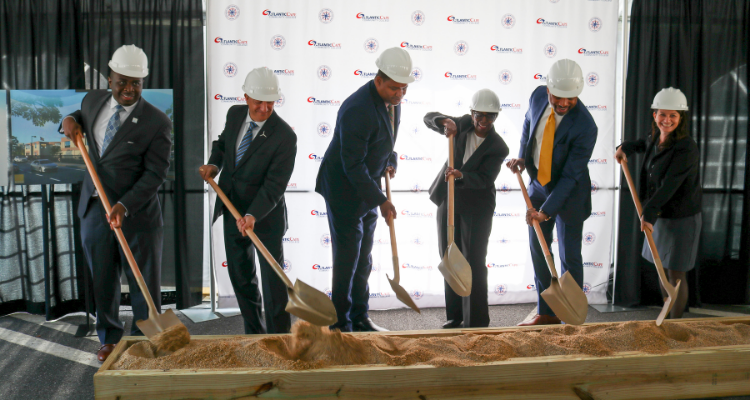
[
  {"x": 476, "y": 190},
  {"x": 671, "y": 178},
  {"x": 134, "y": 164},
  {"x": 257, "y": 184}
]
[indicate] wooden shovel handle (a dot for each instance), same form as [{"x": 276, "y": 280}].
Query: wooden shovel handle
[
  {"x": 392, "y": 228},
  {"x": 538, "y": 229},
  {"x": 118, "y": 232},
  {"x": 649, "y": 236},
  {"x": 258, "y": 244},
  {"x": 451, "y": 189}
]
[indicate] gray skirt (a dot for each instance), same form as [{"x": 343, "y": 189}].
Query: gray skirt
[{"x": 676, "y": 241}]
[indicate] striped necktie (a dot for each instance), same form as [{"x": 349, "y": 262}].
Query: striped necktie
[
  {"x": 545, "y": 155},
  {"x": 245, "y": 143},
  {"x": 392, "y": 118},
  {"x": 112, "y": 127}
]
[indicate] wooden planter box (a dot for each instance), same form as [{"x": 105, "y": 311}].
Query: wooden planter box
[{"x": 695, "y": 373}]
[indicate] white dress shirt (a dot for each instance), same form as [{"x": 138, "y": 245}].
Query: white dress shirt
[
  {"x": 100, "y": 125},
  {"x": 539, "y": 132},
  {"x": 245, "y": 126},
  {"x": 472, "y": 144}
]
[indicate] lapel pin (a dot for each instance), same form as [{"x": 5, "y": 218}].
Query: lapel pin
[
  {"x": 135, "y": 120},
  {"x": 263, "y": 134}
]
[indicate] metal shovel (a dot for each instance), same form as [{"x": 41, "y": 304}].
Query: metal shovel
[
  {"x": 401, "y": 293},
  {"x": 156, "y": 322},
  {"x": 563, "y": 295},
  {"x": 671, "y": 290},
  {"x": 454, "y": 267},
  {"x": 305, "y": 301}
]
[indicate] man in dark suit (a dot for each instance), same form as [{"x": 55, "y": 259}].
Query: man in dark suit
[
  {"x": 359, "y": 154},
  {"x": 256, "y": 153},
  {"x": 129, "y": 143},
  {"x": 479, "y": 153},
  {"x": 557, "y": 140}
]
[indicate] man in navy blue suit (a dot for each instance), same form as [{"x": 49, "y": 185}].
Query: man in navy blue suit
[
  {"x": 360, "y": 154},
  {"x": 557, "y": 140}
]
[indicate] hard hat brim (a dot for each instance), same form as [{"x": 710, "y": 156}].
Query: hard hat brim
[
  {"x": 566, "y": 94},
  {"x": 401, "y": 79},
  {"x": 486, "y": 109},
  {"x": 128, "y": 72},
  {"x": 656, "y": 107}
]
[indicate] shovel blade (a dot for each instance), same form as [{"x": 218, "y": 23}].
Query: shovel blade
[
  {"x": 403, "y": 295},
  {"x": 567, "y": 300},
  {"x": 456, "y": 270},
  {"x": 158, "y": 323},
  {"x": 668, "y": 303},
  {"x": 311, "y": 304}
]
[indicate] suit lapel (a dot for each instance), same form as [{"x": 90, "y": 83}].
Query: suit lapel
[
  {"x": 565, "y": 126},
  {"x": 98, "y": 107},
  {"x": 259, "y": 139},
  {"x": 127, "y": 127},
  {"x": 236, "y": 122},
  {"x": 532, "y": 132}
]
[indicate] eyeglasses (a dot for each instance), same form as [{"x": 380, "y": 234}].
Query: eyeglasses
[{"x": 483, "y": 115}]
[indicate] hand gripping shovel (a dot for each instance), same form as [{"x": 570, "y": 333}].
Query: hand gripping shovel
[
  {"x": 454, "y": 267},
  {"x": 305, "y": 301},
  {"x": 563, "y": 295},
  {"x": 156, "y": 322},
  {"x": 401, "y": 293},
  {"x": 671, "y": 290}
]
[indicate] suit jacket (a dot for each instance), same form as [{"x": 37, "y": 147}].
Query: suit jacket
[
  {"x": 476, "y": 191},
  {"x": 133, "y": 165},
  {"x": 568, "y": 193},
  {"x": 361, "y": 149},
  {"x": 257, "y": 184},
  {"x": 670, "y": 180}
]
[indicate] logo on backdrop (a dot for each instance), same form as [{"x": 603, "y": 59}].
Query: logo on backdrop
[
  {"x": 595, "y": 24},
  {"x": 314, "y": 101},
  {"x": 416, "y": 214},
  {"x": 508, "y": 21},
  {"x": 586, "y": 288},
  {"x": 506, "y": 50},
  {"x": 315, "y": 158},
  {"x": 589, "y": 238},
  {"x": 412, "y": 102},
  {"x": 319, "y": 213},
  {"x": 325, "y": 240},
  {"x": 230, "y": 42},
  {"x": 415, "y": 187},
  {"x": 550, "y": 50},
  {"x": 510, "y": 106},
  {"x": 280, "y": 101},
  {"x": 461, "y": 48},
  {"x": 325, "y": 16},
  {"x": 404, "y": 157},
  {"x": 324, "y": 130},
  {"x": 460, "y": 77},
  {"x": 493, "y": 265},
  {"x": 278, "y": 42},
  {"x": 375, "y": 268},
  {"x": 600, "y": 161},
  {"x": 506, "y": 214},
  {"x": 548, "y": 24},
  {"x": 422, "y": 47},
  {"x": 371, "y": 45},
  {"x": 287, "y": 266},
  {"x": 530, "y": 286},
  {"x": 417, "y": 267},
  {"x": 594, "y": 187},
  {"x": 284, "y": 72},
  {"x": 232, "y": 12},
  {"x": 363, "y": 74},
  {"x": 417, "y": 294},
  {"x": 540, "y": 77},
  {"x": 226, "y": 99},
  {"x": 417, "y": 240},
  {"x": 416, "y": 74},
  {"x": 501, "y": 289},
  {"x": 505, "y": 77},
  {"x": 596, "y": 107},
  {"x": 504, "y": 188},
  {"x": 230, "y": 70},
  {"x": 503, "y": 240},
  {"x": 592, "y": 79},
  {"x": 593, "y": 53},
  {"x": 324, "y": 72},
  {"x": 290, "y": 240},
  {"x": 462, "y": 21},
  {"x": 379, "y": 295},
  {"x": 291, "y": 185},
  {"x": 417, "y": 18},
  {"x": 322, "y": 45},
  {"x": 592, "y": 264},
  {"x": 225, "y": 264},
  {"x": 599, "y": 214},
  {"x": 328, "y": 292},
  {"x": 271, "y": 14},
  {"x": 553, "y": 1},
  {"x": 373, "y": 18},
  {"x": 322, "y": 268},
  {"x": 381, "y": 241}
]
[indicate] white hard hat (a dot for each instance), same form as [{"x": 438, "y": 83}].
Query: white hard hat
[
  {"x": 565, "y": 79},
  {"x": 396, "y": 63},
  {"x": 670, "y": 99},
  {"x": 485, "y": 100},
  {"x": 262, "y": 85},
  {"x": 130, "y": 60}
]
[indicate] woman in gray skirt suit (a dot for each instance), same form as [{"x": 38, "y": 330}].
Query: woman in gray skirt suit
[{"x": 670, "y": 189}]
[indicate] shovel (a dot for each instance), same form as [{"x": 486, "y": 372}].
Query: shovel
[
  {"x": 454, "y": 267},
  {"x": 156, "y": 322},
  {"x": 671, "y": 290},
  {"x": 563, "y": 295},
  {"x": 401, "y": 293},
  {"x": 305, "y": 301}
]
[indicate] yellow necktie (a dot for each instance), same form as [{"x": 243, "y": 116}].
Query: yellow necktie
[{"x": 545, "y": 156}]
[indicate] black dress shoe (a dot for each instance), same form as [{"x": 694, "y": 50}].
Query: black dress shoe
[
  {"x": 366, "y": 325},
  {"x": 452, "y": 323}
]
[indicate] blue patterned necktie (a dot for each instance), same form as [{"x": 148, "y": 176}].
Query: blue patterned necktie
[
  {"x": 112, "y": 127},
  {"x": 245, "y": 143}
]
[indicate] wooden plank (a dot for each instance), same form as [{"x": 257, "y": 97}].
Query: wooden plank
[{"x": 705, "y": 372}]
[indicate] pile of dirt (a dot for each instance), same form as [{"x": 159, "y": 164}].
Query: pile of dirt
[{"x": 310, "y": 347}]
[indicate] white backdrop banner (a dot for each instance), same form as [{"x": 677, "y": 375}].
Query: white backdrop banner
[{"x": 322, "y": 51}]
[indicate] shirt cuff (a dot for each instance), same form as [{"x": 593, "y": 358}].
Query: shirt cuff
[
  {"x": 66, "y": 117},
  {"x": 123, "y": 206}
]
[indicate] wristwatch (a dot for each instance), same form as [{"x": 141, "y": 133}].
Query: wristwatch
[{"x": 548, "y": 216}]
